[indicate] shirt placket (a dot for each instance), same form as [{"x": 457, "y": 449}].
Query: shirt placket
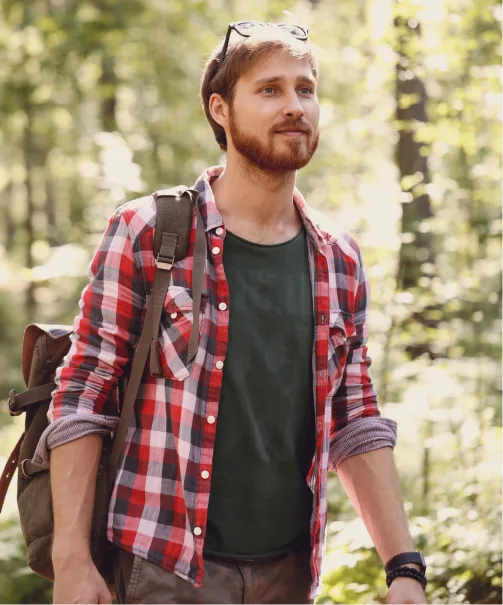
[
  {"x": 215, "y": 246},
  {"x": 321, "y": 313}
]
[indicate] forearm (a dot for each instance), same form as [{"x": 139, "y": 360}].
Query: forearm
[
  {"x": 371, "y": 482},
  {"x": 74, "y": 468}
]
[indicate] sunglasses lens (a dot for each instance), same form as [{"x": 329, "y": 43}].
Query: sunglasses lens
[
  {"x": 295, "y": 30},
  {"x": 245, "y": 25}
]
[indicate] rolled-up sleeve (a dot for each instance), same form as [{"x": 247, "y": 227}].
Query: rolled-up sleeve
[
  {"x": 102, "y": 343},
  {"x": 357, "y": 425}
]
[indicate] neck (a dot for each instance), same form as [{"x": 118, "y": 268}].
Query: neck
[{"x": 255, "y": 203}]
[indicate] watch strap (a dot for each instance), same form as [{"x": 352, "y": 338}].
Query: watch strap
[{"x": 406, "y": 557}]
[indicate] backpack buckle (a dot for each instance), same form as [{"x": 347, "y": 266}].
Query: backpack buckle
[
  {"x": 22, "y": 470},
  {"x": 164, "y": 262},
  {"x": 12, "y": 404}
]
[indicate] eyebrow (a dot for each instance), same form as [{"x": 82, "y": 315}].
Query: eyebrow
[{"x": 274, "y": 79}]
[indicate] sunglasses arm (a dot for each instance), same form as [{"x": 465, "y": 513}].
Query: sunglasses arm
[{"x": 226, "y": 44}]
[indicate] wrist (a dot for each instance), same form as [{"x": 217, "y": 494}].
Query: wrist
[{"x": 75, "y": 551}]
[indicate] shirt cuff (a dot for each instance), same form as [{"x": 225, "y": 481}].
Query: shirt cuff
[
  {"x": 361, "y": 435},
  {"x": 66, "y": 429}
]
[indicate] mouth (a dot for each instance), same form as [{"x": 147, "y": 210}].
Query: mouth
[{"x": 292, "y": 133}]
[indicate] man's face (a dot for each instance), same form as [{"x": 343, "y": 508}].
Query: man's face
[{"x": 273, "y": 120}]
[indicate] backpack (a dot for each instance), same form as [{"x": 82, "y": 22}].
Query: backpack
[{"x": 44, "y": 350}]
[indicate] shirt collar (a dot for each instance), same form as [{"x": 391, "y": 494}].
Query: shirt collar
[{"x": 212, "y": 218}]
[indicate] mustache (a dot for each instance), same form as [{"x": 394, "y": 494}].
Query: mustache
[{"x": 289, "y": 125}]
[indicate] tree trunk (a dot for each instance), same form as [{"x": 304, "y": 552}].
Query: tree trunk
[
  {"x": 8, "y": 222},
  {"x": 108, "y": 85},
  {"x": 412, "y": 163},
  {"x": 50, "y": 210},
  {"x": 427, "y": 431},
  {"x": 28, "y": 150},
  {"x": 417, "y": 254}
]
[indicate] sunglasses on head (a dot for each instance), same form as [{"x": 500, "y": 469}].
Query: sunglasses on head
[{"x": 245, "y": 29}]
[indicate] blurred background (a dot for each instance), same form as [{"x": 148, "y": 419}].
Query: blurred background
[{"x": 99, "y": 104}]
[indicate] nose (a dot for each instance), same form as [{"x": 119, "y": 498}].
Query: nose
[{"x": 293, "y": 107}]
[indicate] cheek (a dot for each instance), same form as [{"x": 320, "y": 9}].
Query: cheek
[
  {"x": 313, "y": 113},
  {"x": 261, "y": 120}
]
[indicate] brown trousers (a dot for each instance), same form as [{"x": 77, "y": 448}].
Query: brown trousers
[{"x": 285, "y": 579}]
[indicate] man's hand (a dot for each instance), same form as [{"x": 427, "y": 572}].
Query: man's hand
[
  {"x": 405, "y": 590},
  {"x": 79, "y": 582}
]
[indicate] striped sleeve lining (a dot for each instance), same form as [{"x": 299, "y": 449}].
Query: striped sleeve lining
[
  {"x": 68, "y": 429},
  {"x": 362, "y": 435}
]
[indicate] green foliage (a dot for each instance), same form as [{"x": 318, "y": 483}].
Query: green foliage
[
  {"x": 99, "y": 104},
  {"x": 18, "y": 584}
]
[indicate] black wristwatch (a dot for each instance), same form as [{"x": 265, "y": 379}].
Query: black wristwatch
[{"x": 406, "y": 557}]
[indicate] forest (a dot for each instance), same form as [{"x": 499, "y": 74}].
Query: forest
[{"x": 99, "y": 105}]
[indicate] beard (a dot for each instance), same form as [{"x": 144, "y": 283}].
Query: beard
[{"x": 263, "y": 155}]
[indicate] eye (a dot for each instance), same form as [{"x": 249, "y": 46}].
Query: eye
[
  {"x": 306, "y": 90},
  {"x": 268, "y": 89}
]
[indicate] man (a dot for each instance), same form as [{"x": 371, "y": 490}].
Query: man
[{"x": 220, "y": 496}]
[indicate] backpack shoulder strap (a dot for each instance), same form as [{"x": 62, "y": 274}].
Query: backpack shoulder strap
[
  {"x": 174, "y": 215},
  {"x": 171, "y": 241},
  {"x": 175, "y": 208}
]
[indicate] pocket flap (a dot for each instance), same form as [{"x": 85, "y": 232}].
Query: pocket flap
[
  {"x": 178, "y": 299},
  {"x": 342, "y": 321}
]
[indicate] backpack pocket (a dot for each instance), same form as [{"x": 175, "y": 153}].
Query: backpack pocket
[{"x": 174, "y": 333}]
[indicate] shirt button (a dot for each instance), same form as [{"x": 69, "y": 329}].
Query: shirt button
[
  {"x": 222, "y": 306},
  {"x": 219, "y": 231},
  {"x": 219, "y": 365},
  {"x": 197, "y": 531},
  {"x": 216, "y": 250},
  {"x": 211, "y": 419},
  {"x": 205, "y": 474},
  {"x": 173, "y": 315}
]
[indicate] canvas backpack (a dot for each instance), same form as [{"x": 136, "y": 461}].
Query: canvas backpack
[{"x": 44, "y": 350}]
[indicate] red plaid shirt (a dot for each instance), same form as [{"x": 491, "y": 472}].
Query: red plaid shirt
[{"x": 159, "y": 504}]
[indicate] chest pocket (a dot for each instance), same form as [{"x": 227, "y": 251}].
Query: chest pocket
[
  {"x": 174, "y": 333},
  {"x": 342, "y": 328}
]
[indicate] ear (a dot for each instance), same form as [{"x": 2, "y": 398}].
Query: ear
[{"x": 219, "y": 109}]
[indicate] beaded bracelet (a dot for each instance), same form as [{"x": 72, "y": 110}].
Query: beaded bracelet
[{"x": 408, "y": 572}]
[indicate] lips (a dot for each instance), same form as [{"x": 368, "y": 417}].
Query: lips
[{"x": 292, "y": 131}]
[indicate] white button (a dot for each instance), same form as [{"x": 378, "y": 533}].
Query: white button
[
  {"x": 219, "y": 231},
  {"x": 211, "y": 419},
  {"x": 173, "y": 315},
  {"x": 222, "y": 306},
  {"x": 205, "y": 474},
  {"x": 219, "y": 365},
  {"x": 197, "y": 531},
  {"x": 216, "y": 250}
]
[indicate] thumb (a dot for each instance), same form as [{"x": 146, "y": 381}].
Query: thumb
[{"x": 104, "y": 596}]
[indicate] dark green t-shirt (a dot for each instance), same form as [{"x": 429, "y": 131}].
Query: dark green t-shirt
[{"x": 260, "y": 503}]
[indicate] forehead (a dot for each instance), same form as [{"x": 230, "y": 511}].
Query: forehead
[{"x": 277, "y": 64}]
